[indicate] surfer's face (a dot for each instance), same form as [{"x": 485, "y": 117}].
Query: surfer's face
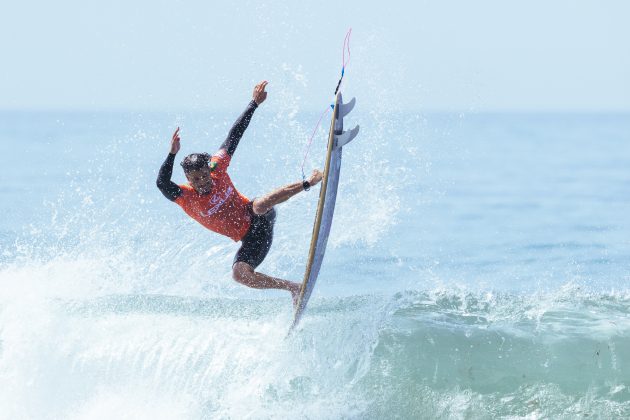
[{"x": 200, "y": 179}]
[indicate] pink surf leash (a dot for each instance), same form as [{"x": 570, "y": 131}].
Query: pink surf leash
[{"x": 344, "y": 63}]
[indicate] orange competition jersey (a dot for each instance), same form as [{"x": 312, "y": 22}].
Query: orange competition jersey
[{"x": 224, "y": 210}]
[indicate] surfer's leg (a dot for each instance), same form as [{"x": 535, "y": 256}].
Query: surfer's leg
[
  {"x": 254, "y": 249},
  {"x": 262, "y": 205},
  {"x": 245, "y": 274}
]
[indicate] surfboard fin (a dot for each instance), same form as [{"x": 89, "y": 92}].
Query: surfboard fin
[
  {"x": 344, "y": 109},
  {"x": 344, "y": 137}
]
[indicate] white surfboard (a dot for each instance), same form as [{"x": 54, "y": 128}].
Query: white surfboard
[{"x": 337, "y": 138}]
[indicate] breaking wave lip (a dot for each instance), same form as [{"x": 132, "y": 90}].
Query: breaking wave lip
[
  {"x": 520, "y": 325},
  {"x": 568, "y": 312},
  {"x": 572, "y": 305}
]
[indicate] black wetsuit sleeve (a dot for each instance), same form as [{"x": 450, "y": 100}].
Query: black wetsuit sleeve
[
  {"x": 238, "y": 129},
  {"x": 170, "y": 189}
]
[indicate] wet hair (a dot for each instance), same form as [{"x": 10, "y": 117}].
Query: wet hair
[{"x": 195, "y": 161}]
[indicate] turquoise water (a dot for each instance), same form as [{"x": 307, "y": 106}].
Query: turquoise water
[{"x": 478, "y": 267}]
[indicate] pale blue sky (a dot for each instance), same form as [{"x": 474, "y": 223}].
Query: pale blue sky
[{"x": 444, "y": 55}]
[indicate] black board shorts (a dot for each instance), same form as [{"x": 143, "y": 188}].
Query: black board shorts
[{"x": 257, "y": 241}]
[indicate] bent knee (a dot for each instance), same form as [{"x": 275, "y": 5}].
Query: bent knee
[{"x": 241, "y": 271}]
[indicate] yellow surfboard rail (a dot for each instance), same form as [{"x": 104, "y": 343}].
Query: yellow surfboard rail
[{"x": 320, "y": 205}]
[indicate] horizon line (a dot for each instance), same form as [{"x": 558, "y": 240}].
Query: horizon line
[{"x": 469, "y": 111}]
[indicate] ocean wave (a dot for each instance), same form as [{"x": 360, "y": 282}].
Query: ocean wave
[{"x": 442, "y": 353}]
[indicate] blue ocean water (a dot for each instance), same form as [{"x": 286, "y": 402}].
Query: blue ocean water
[{"x": 478, "y": 267}]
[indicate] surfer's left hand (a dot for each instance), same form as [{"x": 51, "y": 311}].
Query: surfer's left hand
[
  {"x": 315, "y": 177},
  {"x": 259, "y": 94}
]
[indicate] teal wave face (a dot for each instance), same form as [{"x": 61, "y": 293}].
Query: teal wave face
[{"x": 441, "y": 354}]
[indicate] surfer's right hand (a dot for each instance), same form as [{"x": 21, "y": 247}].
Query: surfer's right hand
[
  {"x": 315, "y": 177},
  {"x": 175, "y": 142}
]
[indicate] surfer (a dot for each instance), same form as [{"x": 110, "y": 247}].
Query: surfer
[{"x": 211, "y": 199}]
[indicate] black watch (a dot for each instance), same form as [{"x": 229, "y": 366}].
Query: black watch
[{"x": 306, "y": 185}]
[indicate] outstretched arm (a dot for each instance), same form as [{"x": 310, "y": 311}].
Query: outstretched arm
[
  {"x": 262, "y": 205},
  {"x": 170, "y": 189},
  {"x": 235, "y": 134}
]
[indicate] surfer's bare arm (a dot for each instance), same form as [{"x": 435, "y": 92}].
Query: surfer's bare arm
[
  {"x": 262, "y": 205},
  {"x": 239, "y": 127},
  {"x": 170, "y": 189}
]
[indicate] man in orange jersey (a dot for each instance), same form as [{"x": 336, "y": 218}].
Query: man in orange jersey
[{"x": 211, "y": 199}]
